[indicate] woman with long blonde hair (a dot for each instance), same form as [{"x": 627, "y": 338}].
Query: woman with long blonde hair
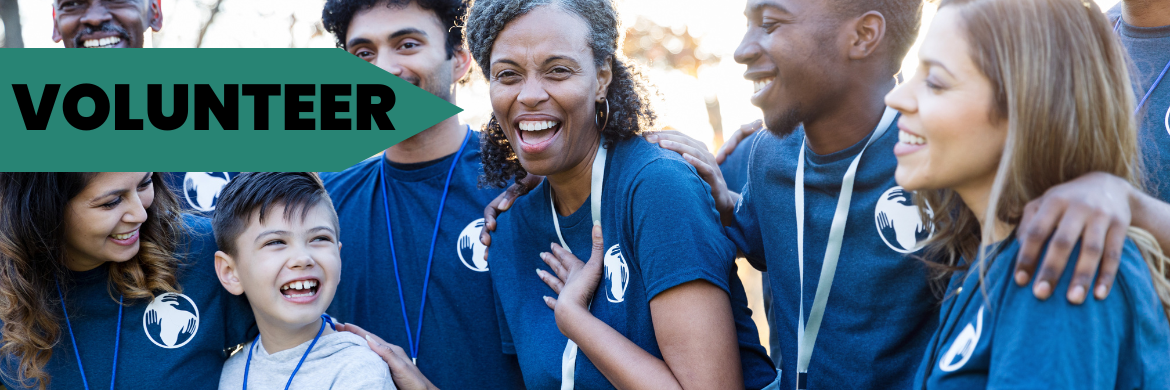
[
  {"x": 1013, "y": 97},
  {"x": 104, "y": 282}
]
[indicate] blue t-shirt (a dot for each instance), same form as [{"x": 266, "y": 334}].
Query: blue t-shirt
[
  {"x": 1001, "y": 337},
  {"x": 174, "y": 339},
  {"x": 460, "y": 341},
  {"x": 880, "y": 311},
  {"x": 651, "y": 246},
  {"x": 198, "y": 191},
  {"x": 1149, "y": 48},
  {"x": 734, "y": 170}
]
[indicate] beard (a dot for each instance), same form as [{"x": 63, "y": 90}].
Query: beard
[
  {"x": 106, "y": 27},
  {"x": 438, "y": 83},
  {"x": 785, "y": 124}
]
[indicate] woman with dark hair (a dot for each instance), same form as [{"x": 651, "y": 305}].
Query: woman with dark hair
[
  {"x": 98, "y": 269},
  {"x": 671, "y": 312}
]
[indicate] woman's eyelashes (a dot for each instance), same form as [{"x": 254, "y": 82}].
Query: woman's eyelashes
[{"x": 112, "y": 204}]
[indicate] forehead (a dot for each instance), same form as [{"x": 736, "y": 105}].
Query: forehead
[
  {"x": 787, "y": 6},
  {"x": 106, "y": 181},
  {"x": 382, "y": 20},
  {"x": 529, "y": 37},
  {"x": 946, "y": 43},
  {"x": 277, "y": 216}
]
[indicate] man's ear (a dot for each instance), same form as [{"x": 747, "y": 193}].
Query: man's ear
[
  {"x": 867, "y": 34},
  {"x": 156, "y": 16},
  {"x": 225, "y": 268},
  {"x": 604, "y": 78},
  {"x": 462, "y": 64},
  {"x": 56, "y": 31}
]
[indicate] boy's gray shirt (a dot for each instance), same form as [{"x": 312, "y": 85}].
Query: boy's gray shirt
[{"x": 339, "y": 360}]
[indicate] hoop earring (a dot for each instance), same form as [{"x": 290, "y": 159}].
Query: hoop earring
[{"x": 604, "y": 117}]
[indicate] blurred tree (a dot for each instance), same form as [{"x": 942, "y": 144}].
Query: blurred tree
[
  {"x": 10, "y": 18},
  {"x": 210, "y": 19}
]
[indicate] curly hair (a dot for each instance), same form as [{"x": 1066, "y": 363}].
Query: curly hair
[
  {"x": 339, "y": 13},
  {"x": 32, "y": 235},
  {"x": 628, "y": 95}
]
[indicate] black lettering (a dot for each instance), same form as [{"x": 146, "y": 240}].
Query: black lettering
[
  {"x": 122, "y": 119},
  {"x": 36, "y": 119},
  {"x": 293, "y": 106},
  {"x": 101, "y": 106},
  {"x": 261, "y": 92},
  {"x": 330, "y": 106},
  {"x": 154, "y": 109},
  {"x": 367, "y": 109},
  {"x": 227, "y": 111}
]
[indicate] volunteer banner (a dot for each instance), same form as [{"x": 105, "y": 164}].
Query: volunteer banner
[{"x": 202, "y": 110}]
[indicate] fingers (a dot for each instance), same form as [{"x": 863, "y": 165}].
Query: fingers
[
  {"x": 392, "y": 354},
  {"x": 708, "y": 172},
  {"x": 553, "y": 282},
  {"x": 551, "y": 302},
  {"x": 565, "y": 258},
  {"x": 598, "y": 251},
  {"x": 738, "y": 136},
  {"x": 1036, "y": 225},
  {"x": 555, "y": 265},
  {"x": 1092, "y": 249},
  {"x": 1114, "y": 243},
  {"x": 1059, "y": 248}
]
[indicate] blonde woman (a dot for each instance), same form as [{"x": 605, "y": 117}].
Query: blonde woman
[{"x": 1013, "y": 97}]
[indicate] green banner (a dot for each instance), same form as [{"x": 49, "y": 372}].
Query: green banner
[{"x": 239, "y": 110}]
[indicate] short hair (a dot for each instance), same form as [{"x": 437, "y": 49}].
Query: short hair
[
  {"x": 339, "y": 13},
  {"x": 260, "y": 191},
  {"x": 903, "y": 18}
]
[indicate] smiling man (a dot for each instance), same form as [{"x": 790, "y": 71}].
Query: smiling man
[
  {"x": 415, "y": 271},
  {"x": 104, "y": 23}
]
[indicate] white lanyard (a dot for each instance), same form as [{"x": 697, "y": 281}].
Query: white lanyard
[
  {"x": 807, "y": 337},
  {"x": 569, "y": 358}
]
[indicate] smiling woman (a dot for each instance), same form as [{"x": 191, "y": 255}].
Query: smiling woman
[{"x": 91, "y": 264}]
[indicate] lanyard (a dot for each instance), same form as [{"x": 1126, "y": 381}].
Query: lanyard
[
  {"x": 76, "y": 353},
  {"x": 413, "y": 339},
  {"x": 324, "y": 320},
  {"x": 1116, "y": 27},
  {"x": 807, "y": 337},
  {"x": 569, "y": 357}
]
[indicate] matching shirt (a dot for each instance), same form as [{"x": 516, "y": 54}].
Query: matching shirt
[
  {"x": 176, "y": 338},
  {"x": 198, "y": 191},
  {"x": 661, "y": 230},
  {"x": 459, "y": 345},
  {"x": 880, "y": 312},
  {"x": 1149, "y": 48},
  {"x": 995, "y": 334}
]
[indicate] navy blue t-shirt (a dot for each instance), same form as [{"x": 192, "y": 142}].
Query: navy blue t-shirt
[
  {"x": 880, "y": 311},
  {"x": 176, "y": 339},
  {"x": 651, "y": 246},
  {"x": 1149, "y": 48},
  {"x": 460, "y": 342},
  {"x": 198, "y": 191},
  {"x": 1001, "y": 337}
]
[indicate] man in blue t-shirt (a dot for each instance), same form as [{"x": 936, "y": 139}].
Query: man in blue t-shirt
[{"x": 414, "y": 271}]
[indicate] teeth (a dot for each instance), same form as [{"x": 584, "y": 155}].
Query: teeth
[
  {"x": 123, "y": 236},
  {"x": 537, "y": 125},
  {"x": 910, "y": 139},
  {"x": 299, "y": 285},
  {"x": 760, "y": 85},
  {"x": 103, "y": 42}
]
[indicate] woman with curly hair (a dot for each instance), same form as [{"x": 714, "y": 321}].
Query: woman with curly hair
[
  {"x": 102, "y": 278},
  {"x": 989, "y": 124},
  {"x": 670, "y": 311}
]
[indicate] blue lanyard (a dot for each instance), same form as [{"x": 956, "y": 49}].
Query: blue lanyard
[
  {"x": 324, "y": 320},
  {"x": 413, "y": 338},
  {"x": 1158, "y": 80},
  {"x": 76, "y": 353}
]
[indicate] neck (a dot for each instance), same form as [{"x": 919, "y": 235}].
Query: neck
[
  {"x": 572, "y": 187},
  {"x": 976, "y": 196},
  {"x": 1146, "y": 13},
  {"x": 849, "y": 121},
  {"x": 436, "y": 142},
  {"x": 281, "y": 337},
  {"x": 80, "y": 264}
]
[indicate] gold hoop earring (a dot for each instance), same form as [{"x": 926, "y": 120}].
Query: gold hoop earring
[{"x": 604, "y": 118}]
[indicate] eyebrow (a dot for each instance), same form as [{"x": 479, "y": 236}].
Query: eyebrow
[
  {"x": 325, "y": 228},
  {"x": 759, "y": 7},
  {"x": 546, "y": 61},
  {"x": 119, "y": 191},
  {"x": 268, "y": 232},
  {"x": 931, "y": 62},
  {"x": 408, "y": 31},
  {"x": 357, "y": 41}
]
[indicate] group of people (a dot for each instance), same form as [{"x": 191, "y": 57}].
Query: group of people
[{"x": 1024, "y": 159}]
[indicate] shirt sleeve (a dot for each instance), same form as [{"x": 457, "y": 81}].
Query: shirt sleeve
[
  {"x": 1054, "y": 344},
  {"x": 676, "y": 230},
  {"x": 744, "y": 232},
  {"x": 368, "y": 372}
]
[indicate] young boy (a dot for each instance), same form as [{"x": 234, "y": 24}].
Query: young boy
[{"x": 278, "y": 240}]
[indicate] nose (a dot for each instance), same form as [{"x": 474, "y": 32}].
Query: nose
[
  {"x": 902, "y": 99},
  {"x": 96, "y": 14},
  {"x": 301, "y": 259},
  {"x": 388, "y": 64},
  {"x": 749, "y": 48},
  {"x": 532, "y": 93},
  {"x": 137, "y": 213}
]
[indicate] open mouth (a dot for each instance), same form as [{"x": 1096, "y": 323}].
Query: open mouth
[
  {"x": 299, "y": 289},
  {"x": 762, "y": 84},
  {"x": 101, "y": 43},
  {"x": 534, "y": 135},
  {"x": 908, "y": 143},
  {"x": 125, "y": 238}
]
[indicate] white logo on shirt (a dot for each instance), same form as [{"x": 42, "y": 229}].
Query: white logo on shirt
[
  {"x": 470, "y": 249},
  {"x": 1167, "y": 120},
  {"x": 898, "y": 222},
  {"x": 171, "y": 320},
  {"x": 617, "y": 274},
  {"x": 963, "y": 346},
  {"x": 202, "y": 189}
]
